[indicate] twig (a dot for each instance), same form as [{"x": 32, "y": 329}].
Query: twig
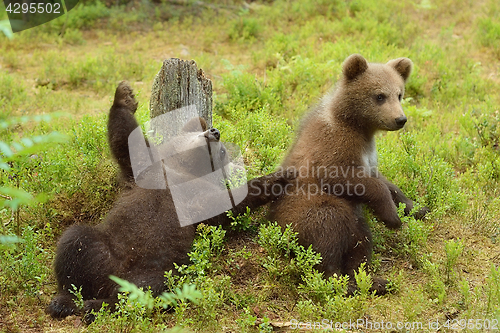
[
  {"x": 5, "y": 197},
  {"x": 10, "y": 220}
]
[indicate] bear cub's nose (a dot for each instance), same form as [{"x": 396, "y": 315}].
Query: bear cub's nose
[
  {"x": 401, "y": 121},
  {"x": 213, "y": 134}
]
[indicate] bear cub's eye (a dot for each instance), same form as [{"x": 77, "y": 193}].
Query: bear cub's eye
[
  {"x": 380, "y": 97},
  {"x": 400, "y": 96},
  {"x": 223, "y": 152}
]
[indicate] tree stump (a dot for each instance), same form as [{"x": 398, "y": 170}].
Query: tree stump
[{"x": 179, "y": 85}]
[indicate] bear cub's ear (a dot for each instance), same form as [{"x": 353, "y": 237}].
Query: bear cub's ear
[
  {"x": 354, "y": 66},
  {"x": 403, "y": 66}
]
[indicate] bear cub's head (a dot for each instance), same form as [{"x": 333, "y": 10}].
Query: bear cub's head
[
  {"x": 373, "y": 92},
  {"x": 196, "y": 151}
]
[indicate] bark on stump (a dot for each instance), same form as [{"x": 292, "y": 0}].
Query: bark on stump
[{"x": 178, "y": 84}]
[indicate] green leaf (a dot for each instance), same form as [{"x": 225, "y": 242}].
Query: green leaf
[
  {"x": 33, "y": 145},
  {"x": 9, "y": 241},
  {"x": 6, "y": 29},
  {"x": 19, "y": 197},
  {"x": 24, "y": 119},
  {"x": 15, "y": 192},
  {"x": 27, "y": 142},
  {"x": 17, "y": 146},
  {"x": 5, "y": 149}
]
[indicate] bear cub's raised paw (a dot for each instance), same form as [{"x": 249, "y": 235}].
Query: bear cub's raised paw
[{"x": 124, "y": 96}]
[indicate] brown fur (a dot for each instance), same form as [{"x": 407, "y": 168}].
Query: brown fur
[
  {"x": 141, "y": 237},
  {"x": 339, "y": 135}
]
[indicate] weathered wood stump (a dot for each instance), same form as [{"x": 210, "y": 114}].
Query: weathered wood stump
[{"x": 179, "y": 85}]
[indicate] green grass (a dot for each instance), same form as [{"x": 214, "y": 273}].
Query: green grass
[{"x": 269, "y": 61}]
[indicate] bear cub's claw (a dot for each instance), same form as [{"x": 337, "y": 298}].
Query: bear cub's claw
[{"x": 124, "y": 96}]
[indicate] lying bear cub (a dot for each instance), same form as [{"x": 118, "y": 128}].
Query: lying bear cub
[{"x": 141, "y": 236}]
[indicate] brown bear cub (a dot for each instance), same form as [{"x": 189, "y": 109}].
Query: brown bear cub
[
  {"x": 141, "y": 237},
  {"x": 336, "y": 160}
]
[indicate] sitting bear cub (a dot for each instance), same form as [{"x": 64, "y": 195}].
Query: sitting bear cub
[
  {"x": 336, "y": 158},
  {"x": 141, "y": 237}
]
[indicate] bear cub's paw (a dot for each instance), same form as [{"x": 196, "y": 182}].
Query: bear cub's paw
[
  {"x": 379, "y": 286},
  {"x": 61, "y": 306},
  {"x": 286, "y": 176},
  {"x": 421, "y": 214},
  {"x": 276, "y": 183},
  {"x": 124, "y": 96}
]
